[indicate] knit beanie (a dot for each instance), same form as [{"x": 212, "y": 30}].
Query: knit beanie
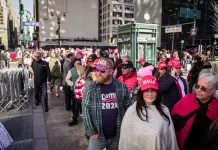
[{"x": 147, "y": 71}]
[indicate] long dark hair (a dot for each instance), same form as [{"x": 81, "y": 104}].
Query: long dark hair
[{"x": 140, "y": 104}]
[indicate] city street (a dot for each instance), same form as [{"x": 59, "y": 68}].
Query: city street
[{"x": 60, "y": 135}]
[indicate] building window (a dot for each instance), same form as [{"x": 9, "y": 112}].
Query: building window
[
  {"x": 129, "y": 8},
  {"x": 117, "y": 22},
  {"x": 114, "y": 30},
  {"x": 129, "y": 15},
  {"x": 108, "y": 7},
  {"x": 117, "y": 0},
  {"x": 126, "y": 22},
  {"x": 108, "y": 22},
  {"x": 128, "y": 1},
  {"x": 108, "y": 14},
  {"x": 117, "y": 14},
  {"x": 108, "y": 30},
  {"x": 108, "y": 37},
  {"x": 104, "y": 2},
  {"x": 117, "y": 7}
]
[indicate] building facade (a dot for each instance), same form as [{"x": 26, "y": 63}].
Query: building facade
[
  {"x": 13, "y": 26},
  {"x": 182, "y": 12},
  {"x": 114, "y": 13},
  {"x": 3, "y": 24},
  {"x": 81, "y": 21}
]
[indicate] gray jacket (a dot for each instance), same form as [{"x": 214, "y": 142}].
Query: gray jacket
[{"x": 66, "y": 67}]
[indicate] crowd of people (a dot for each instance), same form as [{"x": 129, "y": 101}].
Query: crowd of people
[{"x": 125, "y": 108}]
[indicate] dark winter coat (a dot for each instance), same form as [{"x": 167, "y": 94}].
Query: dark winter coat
[
  {"x": 195, "y": 71},
  {"x": 169, "y": 90},
  {"x": 41, "y": 72}
]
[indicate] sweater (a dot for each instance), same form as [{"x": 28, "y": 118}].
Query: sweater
[
  {"x": 186, "y": 105},
  {"x": 79, "y": 89},
  {"x": 156, "y": 134}
]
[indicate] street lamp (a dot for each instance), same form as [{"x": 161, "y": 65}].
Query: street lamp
[
  {"x": 214, "y": 48},
  {"x": 181, "y": 52},
  {"x": 195, "y": 16},
  {"x": 59, "y": 25}
]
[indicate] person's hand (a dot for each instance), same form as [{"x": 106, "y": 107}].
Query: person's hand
[{"x": 94, "y": 136}]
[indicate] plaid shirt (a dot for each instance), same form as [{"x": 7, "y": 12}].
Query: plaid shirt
[{"x": 92, "y": 108}]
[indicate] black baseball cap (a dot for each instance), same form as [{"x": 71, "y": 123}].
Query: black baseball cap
[
  {"x": 127, "y": 64},
  {"x": 92, "y": 57}
]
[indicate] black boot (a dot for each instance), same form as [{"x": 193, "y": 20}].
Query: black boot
[
  {"x": 46, "y": 109},
  {"x": 74, "y": 122}
]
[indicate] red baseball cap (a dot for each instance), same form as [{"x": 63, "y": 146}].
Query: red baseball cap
[
  {"x": 140, "y": 60},
  {"x": 161, "y": 65},
  {"x": 79, "y": 53},
  {"x": 176, "y": 64},
  {"x": 149, "y": 82},
  {"x": 96, "y": 62},
  {"x": 170, "y": 64}
]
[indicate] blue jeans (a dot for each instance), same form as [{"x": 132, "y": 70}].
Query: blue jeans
[
  {"x": 109, "y": 144},
  {"x": 44, "y": 92}
]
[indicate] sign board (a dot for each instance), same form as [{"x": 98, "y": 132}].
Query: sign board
[
  {"x": 31, "y": 23},
  {"x": 193, "y": 31},
  {"x": 216, "y": 36},
  {"x": 119, "y": 40},
  {"x": 173, "y": 29},
  {"x": 146, "y": 39}
]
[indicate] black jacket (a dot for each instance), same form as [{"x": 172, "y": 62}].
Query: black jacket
[
  {"x": 41, "y": 72},
  {"x": 169, "y": 90}
]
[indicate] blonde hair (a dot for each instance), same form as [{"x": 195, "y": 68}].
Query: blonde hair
[
  {"x": 53, "y": 55},
  {"x": 81, "y": 71}
]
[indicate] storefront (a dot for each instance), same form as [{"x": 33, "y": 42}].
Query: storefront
[{"x": 138, "y": 40}]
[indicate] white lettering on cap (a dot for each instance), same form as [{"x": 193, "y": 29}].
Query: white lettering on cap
[
  {"x": 102, "y": 63},
  {"x": 148, "y": 81}
]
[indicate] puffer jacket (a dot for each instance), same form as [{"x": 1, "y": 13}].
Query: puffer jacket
[{"x": 130, "y": 81}]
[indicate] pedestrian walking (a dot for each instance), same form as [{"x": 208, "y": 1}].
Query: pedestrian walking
[
  {"x": 78, "y": 93},
  {"x": 104, "y": 103},
  {"x": 147, "y": 124},
  {"x": 172, "y": 86},
  {"x": 2, "y": 59},
  {"x": 194, "y": 113},
  {"x": 68, "y": 64},
  {"x": 42, "y": 74}
]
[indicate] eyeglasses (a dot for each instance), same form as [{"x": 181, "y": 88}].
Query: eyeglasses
[
  {"x": 202, "y": 88},
  {"x": 101, "y": 69},
  {"x": 37, "y": 56}
]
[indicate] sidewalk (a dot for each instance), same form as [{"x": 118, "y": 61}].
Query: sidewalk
[{"x": 60, "y": 135}]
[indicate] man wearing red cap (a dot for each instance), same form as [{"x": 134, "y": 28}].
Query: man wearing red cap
[{"x": 173, "y": 86}]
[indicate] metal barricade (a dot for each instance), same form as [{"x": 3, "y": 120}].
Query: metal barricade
[{"x": 14, "y": 88}]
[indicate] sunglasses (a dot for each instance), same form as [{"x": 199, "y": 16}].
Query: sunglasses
[
  {"x": 101, "y": 69},
  {"x": 37, "y": 56},
  {"x": 124, "y": 67},
  {"x": 202, "y": 88}
]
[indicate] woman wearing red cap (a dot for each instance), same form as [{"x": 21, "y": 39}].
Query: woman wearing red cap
[
  {"x": 147, "y": 124},
  {"x": 162, "y": 70}
]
